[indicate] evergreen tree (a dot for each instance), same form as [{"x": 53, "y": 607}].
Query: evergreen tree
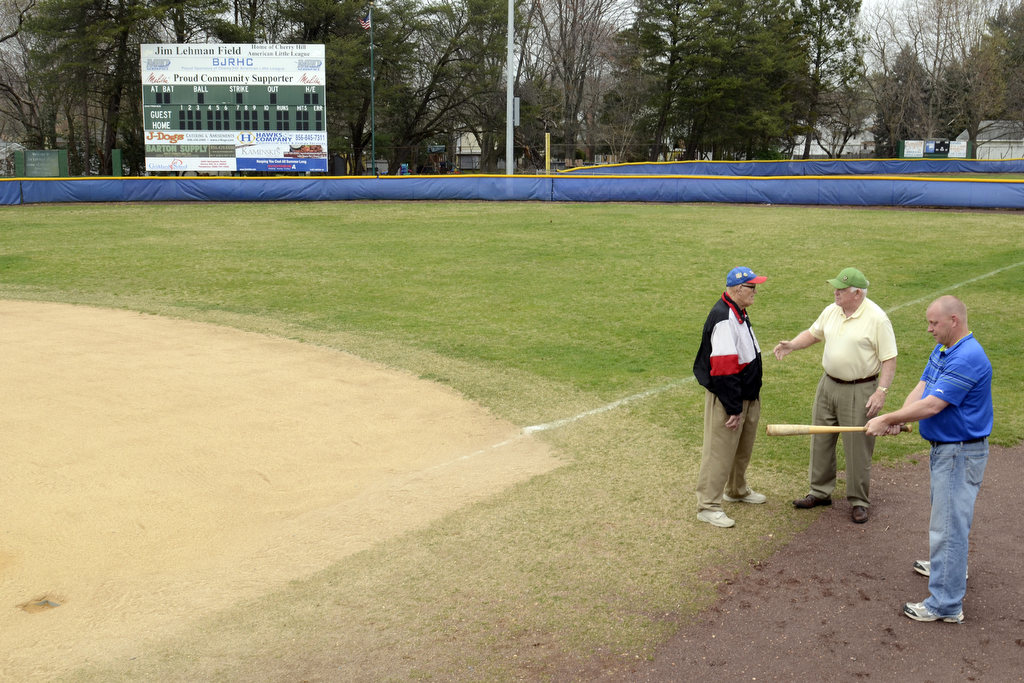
[{"x": 723, "y": 74}]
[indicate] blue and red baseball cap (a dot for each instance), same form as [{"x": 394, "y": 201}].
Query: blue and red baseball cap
[{"x": 740, "y": 276}]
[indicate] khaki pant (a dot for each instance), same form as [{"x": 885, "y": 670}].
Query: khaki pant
[
  {"x": 726, "y": 453},
  {"x": 843, "y": 405}
]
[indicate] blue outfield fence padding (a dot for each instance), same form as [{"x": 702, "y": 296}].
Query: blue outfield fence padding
[
  {"x": 828, "y": 189},
  {"x": 313, "y": 188},
  {"x": 806, "y": 167},
  {"x": 10, "y": 192}
]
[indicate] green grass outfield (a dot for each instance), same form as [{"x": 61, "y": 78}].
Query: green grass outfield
[{"x": 540, "y": 312}]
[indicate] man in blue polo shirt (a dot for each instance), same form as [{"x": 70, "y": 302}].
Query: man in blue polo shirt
[{"x": 953, "y": 401}]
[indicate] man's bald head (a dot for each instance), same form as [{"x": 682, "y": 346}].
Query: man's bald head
[
  {"x": 950, "y": 305},
  {"x": 947, "y": 320}
]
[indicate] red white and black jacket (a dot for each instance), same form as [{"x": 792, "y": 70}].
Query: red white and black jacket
[{"x": 728, "y": 362}]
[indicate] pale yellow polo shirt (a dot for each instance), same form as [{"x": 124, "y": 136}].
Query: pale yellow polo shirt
[{"x": 856, "y": 346}]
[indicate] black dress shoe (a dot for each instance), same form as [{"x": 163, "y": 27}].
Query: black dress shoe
[
  {"x": 810, "y": 501},
  {"x": 859, "y": 514}
]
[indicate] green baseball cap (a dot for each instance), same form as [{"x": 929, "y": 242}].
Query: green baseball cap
[{"x": 849, "y": 277}]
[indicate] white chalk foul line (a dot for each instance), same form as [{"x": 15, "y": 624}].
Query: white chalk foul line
[
  {"x": 474, "y": 454},
  {"x": 931, "y": 296},
  {"x": 652, "y": 392},
  {"x": 526, "y": 431},
  {"x": 604, "y": 409}
]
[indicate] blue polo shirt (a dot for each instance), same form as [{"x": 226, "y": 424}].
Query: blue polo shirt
[{"x": 960, "y": 375}]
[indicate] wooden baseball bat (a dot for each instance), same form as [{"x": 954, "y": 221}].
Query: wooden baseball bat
[{"x": 792, "y": 430}]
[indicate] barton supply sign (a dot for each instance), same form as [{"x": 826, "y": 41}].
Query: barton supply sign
[{"x": 227, "y": 107}]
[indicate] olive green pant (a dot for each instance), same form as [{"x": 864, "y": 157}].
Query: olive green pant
[
  {"x": 726, "y": 453},
  {"x": 843, "y": 405}
]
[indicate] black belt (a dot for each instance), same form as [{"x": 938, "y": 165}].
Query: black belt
[
  {"x": 957, "y": 443},
  {"x": 862, "y": 380}
]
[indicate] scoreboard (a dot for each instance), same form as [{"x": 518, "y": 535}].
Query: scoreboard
[{"x": 234, "y": 107}]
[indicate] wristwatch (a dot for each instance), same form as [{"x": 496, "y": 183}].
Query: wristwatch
[{"x": 885, "y": 390}]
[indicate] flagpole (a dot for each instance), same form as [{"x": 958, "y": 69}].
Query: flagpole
[{"x": 373, "y": 123}]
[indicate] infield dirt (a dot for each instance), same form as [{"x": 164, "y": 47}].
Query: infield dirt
[{"x": 157, "y": 470}]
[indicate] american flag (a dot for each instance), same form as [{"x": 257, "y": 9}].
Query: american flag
[{"x": 365, "y": 23}]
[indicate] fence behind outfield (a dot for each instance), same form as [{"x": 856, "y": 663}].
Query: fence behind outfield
[
  {"x": 807, "y": 167},
  {"x": 846, "y": 182}
]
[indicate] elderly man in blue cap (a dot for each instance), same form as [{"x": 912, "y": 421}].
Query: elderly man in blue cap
[
  {"x": 728, "y": 366},
  {"x": 859, "y": 360}
]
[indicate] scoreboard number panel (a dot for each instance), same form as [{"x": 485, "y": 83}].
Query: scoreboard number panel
[
  {"x": 266, "y": 103},
  {"x": 234, "y": 107}
]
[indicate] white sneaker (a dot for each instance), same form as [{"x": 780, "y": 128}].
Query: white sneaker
[
  {"x": 924, "y": 568},
  {"x": 716, "y": 518},
  {"x": 918, "y": 612},
  {"x": 752, "y": 497}
]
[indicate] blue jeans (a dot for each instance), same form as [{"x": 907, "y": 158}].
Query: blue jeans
[{"x": 956, "y": 474}]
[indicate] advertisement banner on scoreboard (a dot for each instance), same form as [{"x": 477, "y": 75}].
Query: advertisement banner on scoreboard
[
  {"x": 242, "y": 151},
  {"x": 266, "y": 103}
]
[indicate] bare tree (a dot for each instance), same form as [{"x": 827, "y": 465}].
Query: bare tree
[
  {"x": 27, "y": 113},
  {"x": 941, "y": 34},
  {"x": 575, "y": 35},
  {"x": 845, "y": 115},
  {"x": 12, "y": 17},
  {"x": 625, "y": 102}
]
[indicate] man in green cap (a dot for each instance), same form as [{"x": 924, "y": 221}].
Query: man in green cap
[{"x": 859, "y": 359}]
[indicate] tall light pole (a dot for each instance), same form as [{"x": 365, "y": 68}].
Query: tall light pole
[
  {"x": 373, "y": 123},
  {"x": 509, "y": 78}
]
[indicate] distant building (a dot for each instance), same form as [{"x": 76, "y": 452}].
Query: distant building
[
  {"x": 467, "y": 152},
  {"x": 998, "y": 140}
]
